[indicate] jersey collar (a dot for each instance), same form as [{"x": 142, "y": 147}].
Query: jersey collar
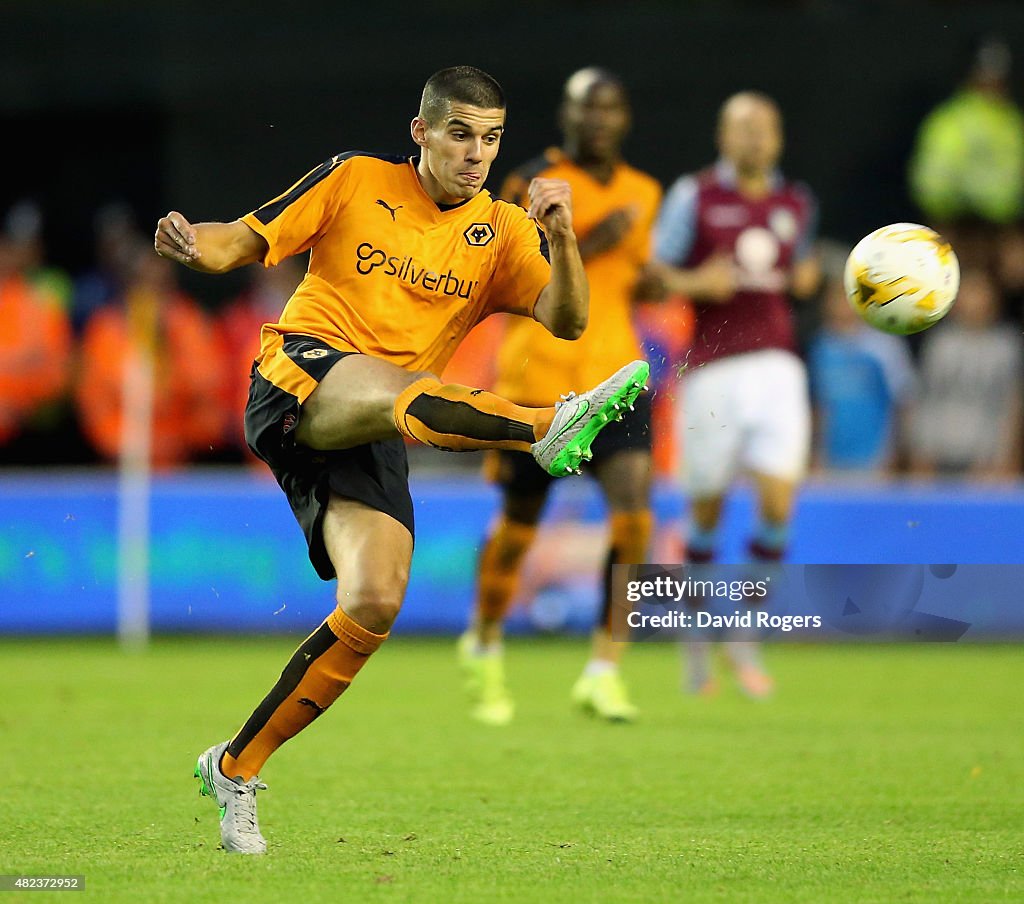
[
  {"x": 439, "y": 208},
  {"x": 725, "y": 173},
  {"x": 555, "y": 155}
]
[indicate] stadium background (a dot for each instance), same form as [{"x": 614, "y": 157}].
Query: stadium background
[
  {"x": 879, "y": 772},
  {"x": 212, "y": 109}
]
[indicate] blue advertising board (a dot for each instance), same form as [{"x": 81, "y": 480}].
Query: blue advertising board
[{"x": 226, "y": 554}]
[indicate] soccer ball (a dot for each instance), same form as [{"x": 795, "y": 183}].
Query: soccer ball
[{"x": 902, "y": 278}]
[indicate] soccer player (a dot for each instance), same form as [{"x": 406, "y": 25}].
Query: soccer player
[
  {"x": 737, "y": 238},
  {"x": 614, "y": 209},
  {"x": 407, "y": 255}
]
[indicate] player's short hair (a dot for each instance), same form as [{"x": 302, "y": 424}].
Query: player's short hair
[
  {"x": 758, "y": 97},
  {"x": 459, "y": 85},
  {"x": 582, "y": 81}
]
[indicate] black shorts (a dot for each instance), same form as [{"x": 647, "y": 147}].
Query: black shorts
[
  {"x": 518, "y": 474},
  {"x": 376, "y": 474}
]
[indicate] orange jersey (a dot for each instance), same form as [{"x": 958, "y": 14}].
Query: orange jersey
[
  {"x": 532, "y": 363},
  {"x": 187, "y": 414},
  {"x": 35, "y": 352},
  {"x": 392, "y": 274}
]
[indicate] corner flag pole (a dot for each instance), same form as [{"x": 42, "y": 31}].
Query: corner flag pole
[{"x": 134, "y": 482}]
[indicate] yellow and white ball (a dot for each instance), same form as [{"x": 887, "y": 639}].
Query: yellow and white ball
[{"x": 902, "y": 278}]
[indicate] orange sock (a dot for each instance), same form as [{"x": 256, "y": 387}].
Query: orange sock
[
  {"x": 317, "y": 674},
  {"x": 459, "y": 419},
  {"x": 630, "y": 540},
  {"x": 500, "y": 561}
]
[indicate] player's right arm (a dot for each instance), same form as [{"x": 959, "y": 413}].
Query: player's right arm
[
  {"x": 208, "y": 247},
  {"x": 712, "y": 281},
  {"x": 563, "y": 305},
  {"x": 715, "y": 280},
  {"x": 608, "y": 233}
]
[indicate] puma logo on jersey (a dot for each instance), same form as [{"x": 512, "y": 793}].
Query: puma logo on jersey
[{"x": 391, "y": 210}]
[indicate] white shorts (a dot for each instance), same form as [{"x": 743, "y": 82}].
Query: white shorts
[{"x": 748, "y": 412}]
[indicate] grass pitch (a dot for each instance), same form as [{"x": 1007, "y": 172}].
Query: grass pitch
[{"x": 876, "y": 774}]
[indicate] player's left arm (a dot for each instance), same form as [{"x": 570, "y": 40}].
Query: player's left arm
[
  {"x": 648, "y": 285},
  {"x": 1008, "y": 448},
  {"x": 805, "y": 277},
  {"x": 805, "y": 274},
  {"x": 563, "y": 305}
]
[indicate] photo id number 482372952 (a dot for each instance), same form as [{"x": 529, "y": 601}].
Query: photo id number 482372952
[{"x": 42, "y": 883}]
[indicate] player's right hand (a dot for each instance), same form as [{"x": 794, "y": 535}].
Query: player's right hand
[
  {"x": 717, "y": 278},
  {"x": 176, "y": 239},
  {"x": 609, "y": 232},
  {"x": 551, "y": 205}
]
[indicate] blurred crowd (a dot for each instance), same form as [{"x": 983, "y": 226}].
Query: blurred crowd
[
  {"x": 74, "y": 344},
  {"x": 947, "y": 402}
]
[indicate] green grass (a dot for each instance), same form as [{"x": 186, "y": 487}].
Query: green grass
[{"x": 876, "y": 774}]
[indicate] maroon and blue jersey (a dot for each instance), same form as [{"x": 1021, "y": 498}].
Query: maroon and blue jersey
[{"x": 703, "y": 215}]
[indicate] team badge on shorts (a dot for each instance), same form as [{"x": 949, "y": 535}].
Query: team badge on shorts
[{"x": 314, "y": 353}]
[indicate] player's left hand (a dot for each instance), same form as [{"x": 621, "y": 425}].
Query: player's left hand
[
  {"x": 609, "y": 232},
  {"x": 551, "y": 205},
  {"x": 651, "y": 282}
]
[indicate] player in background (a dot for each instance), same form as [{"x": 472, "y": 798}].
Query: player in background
[
  {"x": 614, "y": 206},
  {"x": 738, "y": 239},
  {"x": 407, "y": 254}
]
